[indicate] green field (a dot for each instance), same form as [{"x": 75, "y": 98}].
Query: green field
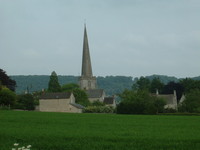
[{"x": 63, "y": 131}]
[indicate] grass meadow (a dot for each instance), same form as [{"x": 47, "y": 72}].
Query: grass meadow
[{"x": 64, "y": 131}]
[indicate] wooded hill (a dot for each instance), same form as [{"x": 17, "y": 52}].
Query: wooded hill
[{"x": 111, "y": 84}]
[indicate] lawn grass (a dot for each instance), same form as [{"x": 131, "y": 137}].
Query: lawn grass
[{"x": 64, "y": 131}]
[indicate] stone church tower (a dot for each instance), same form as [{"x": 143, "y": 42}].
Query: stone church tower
[{"x": 87, "y": 81}]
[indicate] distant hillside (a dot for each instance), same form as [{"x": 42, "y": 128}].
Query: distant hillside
[{"x": 111, "y": 84}]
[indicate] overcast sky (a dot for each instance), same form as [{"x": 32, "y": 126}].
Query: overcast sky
[{"x": 126, "y": 37}]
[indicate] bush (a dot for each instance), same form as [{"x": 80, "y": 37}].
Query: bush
[
  {"x": 191, "y": 103},
  {"x": 25, "y": 102},
  {"x": 140, "y": 102},
  {"x": 7, "y": 97},
  {"x": 170, "y": 110},
  {"x": 99, "y": 109},
  {"x": 97, "y": 103}
]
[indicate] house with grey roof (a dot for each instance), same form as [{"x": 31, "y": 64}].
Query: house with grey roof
[
  {"x": 171, "y": 100},
  {"x": 59, "y": 102},
  {"x": 95, "y": 95}
]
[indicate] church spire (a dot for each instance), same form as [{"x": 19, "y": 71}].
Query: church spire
[
  {"x": 87, "y": 81},
  {"x": 86, "y": 62}
]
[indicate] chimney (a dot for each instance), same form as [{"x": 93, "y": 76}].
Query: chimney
[
  {"x": 175, "y": 93},
  {"x": 157, "y": 92}
]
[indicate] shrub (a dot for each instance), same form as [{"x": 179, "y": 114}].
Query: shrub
[
  {"x": 169, "y": 110},
  {"x": 140, "y": 102},
  {"x": 25, "y": 102},
  {"x": 98, "y": 103},
  {"x": 191, "y": 103},
  {"x": 7, "y": 97},
  {"x": 99, "y": 109}
]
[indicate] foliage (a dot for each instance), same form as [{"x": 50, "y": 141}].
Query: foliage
[
  {"x": 97, "y": 103},
  {"x": 114, "y": 84},
  {"x": 7, "y": 97},
  {"x": 190, "y": 84},
  {"x": 6, "y": 81},
  {"x": 79, "y": 94},
  {"x": 170, "y": 110},
  {"x": 25, "y": 102},
  {"x": 69, "y": 87},
  {"x": 156, "y": 84},
  {"x": 81, "y": 97},
  {"x": 99, "y": 109},
  {"x": 54, "y": 85},
  {"x": 60, "y": 131},
  {"x": 139, "y": 102},
  {"x": 171, "y": 86},
  {"x": 111, "y": 84},
  {"x": 191, "y": 103},
  {"x": 142, "y": 84}
]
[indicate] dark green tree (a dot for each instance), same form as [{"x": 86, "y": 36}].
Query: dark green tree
[
  {"x": 139, "y": 102},
  {"x": 69, "y": 87},
  {"x": 6, "y": 81},
  {"x": 142, "y": 84},
  {"x": 189, "y": 84},
  {"x": 192, "y": 102},
  {"x": 171, "y": 86},
  {"x": 159, "y": 104},
  {"x": 156, "y": 84},
  {"x": 81, "y": 97},
  {"x": 25, "y": 102},
  {"x": 7, "y": 97},
  {"x": 54, "y": 85}
]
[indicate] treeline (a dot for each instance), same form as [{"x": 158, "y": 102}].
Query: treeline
[
  {"x": 111, "y": 84},
  {"x": 32, "y": 83}
]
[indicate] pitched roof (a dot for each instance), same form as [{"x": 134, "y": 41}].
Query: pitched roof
[
  {"x": 59, "y": 95},
  {"x": 77, "y": 105},
  {"x": 109, "y": 100},
  {"x": 95, "y": 93}
]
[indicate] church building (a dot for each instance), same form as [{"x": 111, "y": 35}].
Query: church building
[{"x": 87, "y": 81}]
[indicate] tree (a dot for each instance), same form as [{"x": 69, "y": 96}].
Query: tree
[
  {"x": 192, "y": 102},
  {"x": 54, "y": 85},
  {"x": 190, "y": 84},
  {"x": 139, "y": 102},
  {"x": 26, "y": 102},
  {"x": 156, "y": 84},
  {"x": 159, "y": 104},
  {"x": 7, "y": 97},
  {"x": 171, "y": 86},
  {"x": 142, "y": 84},
  {"x": 80, "y": 95},
  {"x": 69, "y": 87},
  {"x": 6, "y": 81}
]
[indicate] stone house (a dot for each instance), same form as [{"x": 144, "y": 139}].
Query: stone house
[
  {"x": 171, "y": 100},
  {"x": 59, "y": 102}
]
